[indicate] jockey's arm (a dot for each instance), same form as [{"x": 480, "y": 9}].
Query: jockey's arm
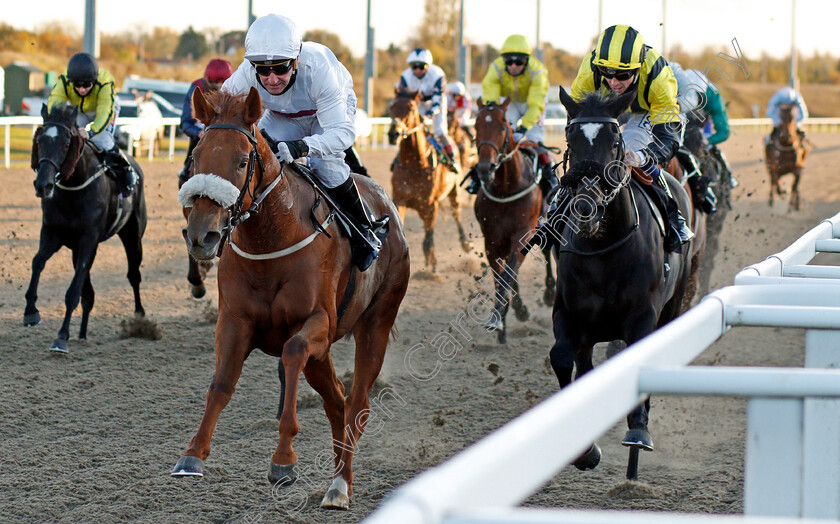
[
  {"x": 717, "y": 110},
  {"x": 665, "y": 117},
  {"x": 491, "y": 85},
  {"x": 537, "y": 94},
  {"x": 803, "y": 109},
  {"x": 104, "y": 108},
  {"x": 339, "y": 129},
  {"x": 58, "y": 95},
  {"x": 190, "y": 125}
]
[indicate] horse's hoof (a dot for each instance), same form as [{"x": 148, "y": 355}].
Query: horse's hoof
[
  {"x": 495, "y": 322},
  {"x": 279, "y": 475},
  {"x": 521, "y": 313},
  {"x": 337, "y": 497},
  {"x": 59, "y": 345},
  {"x": 198, "y": 291},
  {"x": 589, "y": 459},
  {"x": 501, "y": 338},
  {"x": 466, "y": 245},
  {"x": 188, "y": 466},
  {"x": 32, "y": 319},
  {"x": 638, "y": 438}
]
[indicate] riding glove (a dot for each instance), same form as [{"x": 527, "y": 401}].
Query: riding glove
[
  {"x": 297, "y": 148},
  {"x": 521, "y": 130},
  {"x": 283, "y": 153}
]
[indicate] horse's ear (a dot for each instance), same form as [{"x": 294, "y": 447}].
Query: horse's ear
[
  {"x": 73, "y": 154},
  {"x": 480, "y": 103},
  {"x": 253, "y": 106},
  {"x": 202, "y": 111},
  {"x": 621, "y": 103},
  {"x": 504, "y": 105},
  {"x": 572, "y": 107},
  {"x": 35, "y": 153},
  {"x": 418, "y": 96},
  {"x": 44, "y": 112}
]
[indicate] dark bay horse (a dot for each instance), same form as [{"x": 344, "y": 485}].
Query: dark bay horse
[
  {"x": 508, "y": 208},
  {"x": 463, "y": 141},
  {"x": 720, "y": 183},
  {"x": 786, "y": 153},
  {"x": 81, "y": 208},
  {"x": 420, "y": 181},
  {"x": 614, "y": 279},
  {"x": 285, "y": 287}
]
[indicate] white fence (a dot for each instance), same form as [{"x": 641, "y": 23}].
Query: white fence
[{"x": 792, "y": 470}]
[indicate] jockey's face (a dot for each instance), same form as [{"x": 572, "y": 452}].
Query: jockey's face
[
  {"x": 419, "y": 69},
  {"x": 210, "y": 86},
  {"x": 83, "y": 91},
  {"x": 274, "y": 83},
  {"x": 620, "y": 86}
]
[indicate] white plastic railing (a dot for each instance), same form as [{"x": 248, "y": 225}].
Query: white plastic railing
[{"x": 792, "y": 464}]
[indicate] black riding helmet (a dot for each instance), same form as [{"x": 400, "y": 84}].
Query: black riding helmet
[{"x": 82, "y": 68}]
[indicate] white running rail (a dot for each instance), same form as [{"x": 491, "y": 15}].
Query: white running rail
[{"x": 792, "y": 470}]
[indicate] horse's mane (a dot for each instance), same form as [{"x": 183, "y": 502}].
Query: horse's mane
[
  {"x": 62, "y": 114},
  {"x": 404, "y": 92},
  {"x": 596, "y": 104}
]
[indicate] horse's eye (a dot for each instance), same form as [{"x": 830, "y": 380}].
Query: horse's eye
[{"x": 243, "y": 164}]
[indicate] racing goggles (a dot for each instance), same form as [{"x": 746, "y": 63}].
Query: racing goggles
[
  {"x": 83, "y": 84},
  {"x": 278, "y": 68},
  {"x": 419, "y": 65},
  {"x": 619, "y": 74},
  {"x": 515, "y": 61}
]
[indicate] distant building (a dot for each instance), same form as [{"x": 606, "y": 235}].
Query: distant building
[{"x": 22, "y": 79}]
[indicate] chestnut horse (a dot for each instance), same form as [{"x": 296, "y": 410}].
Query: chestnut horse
[
  {"x": 286, "y": 284},
  {"x": 420, "y": 181},
  {"x": 81, "y": 208},
  {"x": 508, "y": 208},
  {"x": 463, "y": 141},
  {"x": 784, "y": 154}
]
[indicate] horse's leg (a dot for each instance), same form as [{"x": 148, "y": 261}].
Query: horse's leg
[
  {"x": 563, "y": 357},
  {"x": 513, "y": 262},
  {"x": 195, "y": 279},
  {"x": 794, "y": 190},
  {"x": 88, "y": 296},
  {"x": 501, "y": 284},
  {"x": 455, "y": 207},
  {"x": 83, "y": 256},
  {"x": 774, "y": 186},
  {"x": 311, "y": 340},
  {"x": 48, "y": 245},
  {"x": 429, "y": 217},
  {"x": 401, "y": 211},
  {"x": 233, "y": 341},
  {"x": 371, "y": 335},
  {"x": 550, "y": 282},
  {"x": 132, "y": 240}
]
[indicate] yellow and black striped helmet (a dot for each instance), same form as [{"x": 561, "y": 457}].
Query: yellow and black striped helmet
[{"x": 620, "y": 47}]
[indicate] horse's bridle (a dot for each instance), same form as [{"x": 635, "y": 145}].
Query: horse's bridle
[
  {"x": 597, "y": 120},
  {"x": 402, "y": 128},
  {"x": 502, "y": 155},
  {"x": 50, "y": 160},
  {"x": 235, "y": 214}
]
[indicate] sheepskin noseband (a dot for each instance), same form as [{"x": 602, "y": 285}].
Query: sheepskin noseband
[{"x": 211, "y": 186}]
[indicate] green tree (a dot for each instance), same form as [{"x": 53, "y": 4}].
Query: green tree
[
  {"x": 333, "y": 41},
  {"x": 191, "y": 44},
  {"x": 439, "y": 33}
]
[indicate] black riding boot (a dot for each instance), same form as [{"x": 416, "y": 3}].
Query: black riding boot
[
  {"x": 352, "y": 159},
  {"x": 721, "y": 158},
  {"x": 123, "y": 171},
  {"x": 677, "y": 233},
  {"x": 365, "y": 249},
  {"x": 548, "y": 180},
  {"x": 702, "y": 195}
]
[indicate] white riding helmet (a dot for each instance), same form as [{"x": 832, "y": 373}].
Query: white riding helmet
[
  {"x": 420, "y": 55},
  {"x": 457, "y": 88},
  {"x": 272, "y": 37}
]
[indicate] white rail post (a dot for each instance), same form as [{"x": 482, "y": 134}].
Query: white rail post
[
  {"x": 7, "y": 147},
  {"x": 773, "y": 463},
  {"x": 171, "y": 142},
  {"x": 821, "y": 460}
]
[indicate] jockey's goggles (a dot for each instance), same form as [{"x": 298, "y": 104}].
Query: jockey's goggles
[
  {"x": 619, "y": 74},
  {"x": 278, "y": 68},
  {"x": 419, "y": 65},
  {"x": 83, "y": 85}
]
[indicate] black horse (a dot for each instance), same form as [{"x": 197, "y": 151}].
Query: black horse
[
  {"x": 81, "y": 208},
  {"x": 614, "y": 279},
  {"x": 720, "y": 182}
]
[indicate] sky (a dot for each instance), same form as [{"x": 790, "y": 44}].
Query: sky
[{"x": 758, "y": 25}]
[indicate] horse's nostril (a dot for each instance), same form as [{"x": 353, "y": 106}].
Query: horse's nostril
[{"x": 212, "y": 238}]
